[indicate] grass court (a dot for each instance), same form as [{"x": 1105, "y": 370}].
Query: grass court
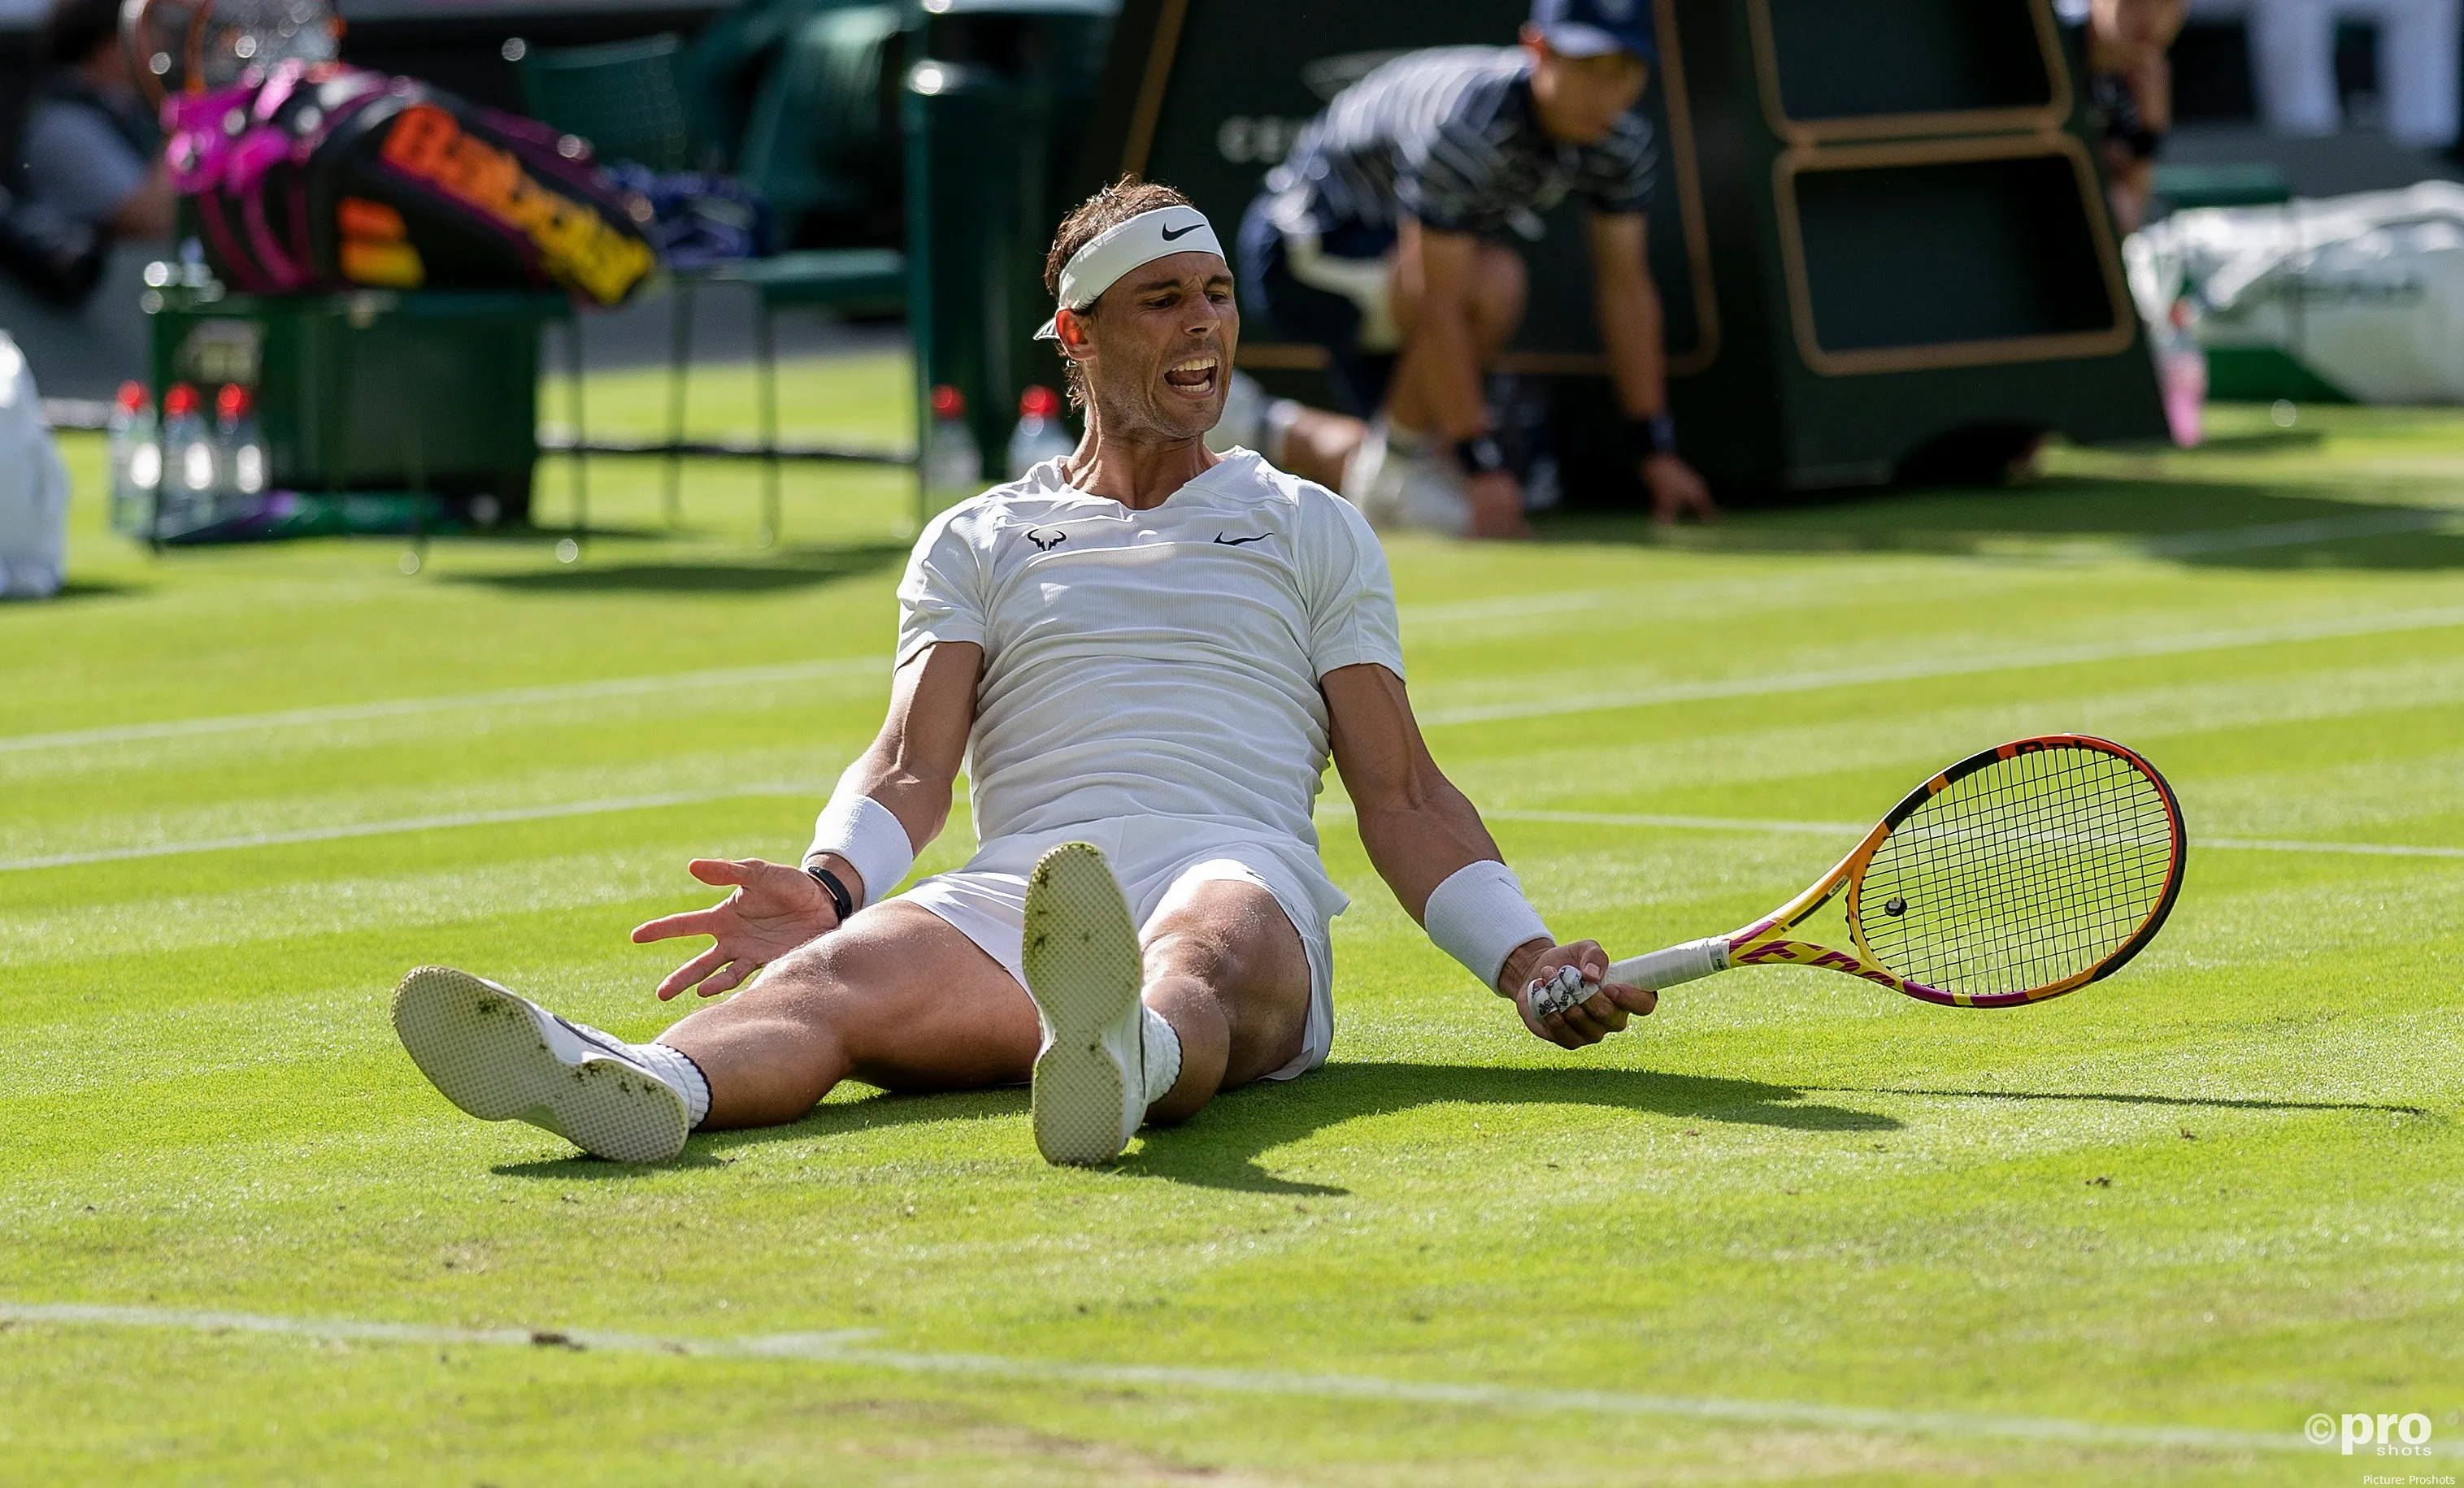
[{"x": 1791, "y": 1229}]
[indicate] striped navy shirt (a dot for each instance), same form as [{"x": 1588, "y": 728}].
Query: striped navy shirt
[{"x": 1450, "y": 138}]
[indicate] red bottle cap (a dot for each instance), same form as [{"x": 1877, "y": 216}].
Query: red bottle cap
[
  {"x": 179, "y": 402},
  {"x": 948, "y": 403},
  {"x": 232, "y": 401},
  {"x": 1039, "y": 402},
  {"x": 132, "y": 397}
]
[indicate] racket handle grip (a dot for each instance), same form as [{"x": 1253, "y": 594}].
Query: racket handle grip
[
  {"x": 1696, "y": 958},
  {"x": 1664, "y": 969}
]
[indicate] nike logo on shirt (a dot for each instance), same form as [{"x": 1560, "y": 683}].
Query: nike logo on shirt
[{"x": 1233, "y": 543}]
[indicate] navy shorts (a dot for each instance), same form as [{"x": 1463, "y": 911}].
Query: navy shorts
[{"x": 1306, "y": 313}]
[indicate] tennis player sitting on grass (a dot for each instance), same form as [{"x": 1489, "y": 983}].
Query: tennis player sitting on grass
[{"x": 1148, "y": 650}]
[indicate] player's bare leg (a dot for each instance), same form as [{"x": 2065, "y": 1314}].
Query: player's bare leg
[
  {"x": 1318, "y": 445},
  {"x": 1226, "y": 968},
  {"x": 1494, "y": 304},
  {"x": 1405, "y": 473},
  {"x": 898, "y": 997}
]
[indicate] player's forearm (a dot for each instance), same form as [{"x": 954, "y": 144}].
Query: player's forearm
[
  {"x": 1445, "y": 345},
  {"x": 1420, "y": 836},
  {"x": 1630, "y": 326},
  {"x": 1444, "y": 867},
  {"x": 1418, "y": 829},
  {"x": 919, "y": 797},
  {"x": 895, "y": 797}
]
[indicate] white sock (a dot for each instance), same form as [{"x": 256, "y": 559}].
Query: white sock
[
  {"x": 679, "y": 1073},
  {"x": 675, "y": 1069},
  {"x": 1409, "y": 443},
  {"x": 1162, "y": 1053}
]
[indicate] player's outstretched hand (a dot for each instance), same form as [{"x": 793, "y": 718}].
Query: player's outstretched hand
[
  {"x": 1496, "y": 506},
  {"x": 1677, "y": 491},
  {"x": 774, "y": 910},
  {"x": 1588, "y": 1021}
]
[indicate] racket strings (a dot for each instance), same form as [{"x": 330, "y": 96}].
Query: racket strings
[{"x": 2027, "y": 872}]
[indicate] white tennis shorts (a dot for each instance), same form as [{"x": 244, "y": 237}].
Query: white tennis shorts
[{"x": 1158, "y": 859}]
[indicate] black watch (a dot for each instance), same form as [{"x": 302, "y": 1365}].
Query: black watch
[{"x": 833, "y": 885}]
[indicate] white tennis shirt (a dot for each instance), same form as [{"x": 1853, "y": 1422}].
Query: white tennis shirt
[{"x": 1161, "y": 662}]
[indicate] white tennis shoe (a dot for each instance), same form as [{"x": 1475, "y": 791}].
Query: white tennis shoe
[
  {"x": 1398, "y": 481},
  {"x": 504, "y": 1057},
  {"x": 1084, "y": 971}
]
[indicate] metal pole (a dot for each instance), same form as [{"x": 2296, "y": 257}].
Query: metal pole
[
  {"x": 679, "y": 371},
  {"x": 765, "y": 352},
  {"x": 580, "y": 458}
]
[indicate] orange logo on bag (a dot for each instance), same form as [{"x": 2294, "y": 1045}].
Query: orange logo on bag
[
  {"x": 579, "y": 245},
  {"x": 376, "y": 247}
]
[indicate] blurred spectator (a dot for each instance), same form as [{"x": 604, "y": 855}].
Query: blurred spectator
[
  {"x": 33, "y": 487},
  {"x": 2131, "y": 85},
  {"x": 2293, "y": 50},
  {"x": 1309, "y": 443},
  {"x": 93, "y": 149},
  {"x": 1382, "y": 237}
]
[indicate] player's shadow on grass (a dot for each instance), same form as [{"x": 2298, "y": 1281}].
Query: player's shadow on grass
[
  {"x": 1219, "y": 1150},
  {"x": 73, "y": 590},
  {"x": 830, "y": 1119}
]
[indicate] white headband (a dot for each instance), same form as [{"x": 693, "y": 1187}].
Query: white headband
[{"x": 1117, "y": 249}]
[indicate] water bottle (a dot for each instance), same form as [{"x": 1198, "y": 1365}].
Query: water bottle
[
  {"x": 239, "y": 450},
  {"x": 189, "y": 477},
  {"x": 2182, "y": 373},
  {"x": 136, "y": 462},
  {"x": 954, "y": 467},
  {"x": 1040, "y": 435}
]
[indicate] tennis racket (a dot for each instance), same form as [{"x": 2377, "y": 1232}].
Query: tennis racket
[{"x": 2018, "y": 874}]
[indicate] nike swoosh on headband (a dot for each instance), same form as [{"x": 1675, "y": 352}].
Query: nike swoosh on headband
[{"x": 1118, "y": 249}]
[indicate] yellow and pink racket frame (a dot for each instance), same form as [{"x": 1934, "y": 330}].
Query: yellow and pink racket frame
[{"x": 1766, "y": 942}]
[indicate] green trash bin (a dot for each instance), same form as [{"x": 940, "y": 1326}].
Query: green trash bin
[
  {"x": 977, "y": 227},
  {"x": 373, "y": 390},
  {"x": 990, "y": 118}
]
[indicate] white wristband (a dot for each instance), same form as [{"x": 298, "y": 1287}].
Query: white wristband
[
  {"x": 1479, "y": 915},
  {"x": 868, "y": 835}
]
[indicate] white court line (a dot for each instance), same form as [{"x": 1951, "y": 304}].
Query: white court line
[
  {"x": 840, "y": 1349},
  {"x": 2186, "y": 644},
  {"x": 1535, "y": 707},
  {"x": 815, "y": 790},
  {"x": 1851, "y": 829},
  {"x": 1510, "y": 607},
  {"x": 2287, "y": 535},
  {"x": 460, "y": 819},
  {"x": 639, "y": 686},
  {"x": 408, "y": 707},
  {"x": 2368, "y": 850}
]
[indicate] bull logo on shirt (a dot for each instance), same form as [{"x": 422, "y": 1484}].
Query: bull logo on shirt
[{"x": 1046, "y": 539}]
